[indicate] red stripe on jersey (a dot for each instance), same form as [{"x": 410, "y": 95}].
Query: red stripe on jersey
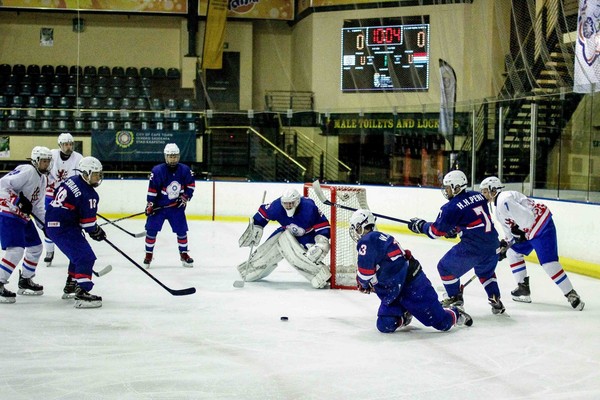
[
  {"x": 68, "y": 206},
  {"x": 263, "y": 213},
  {"x": 475, "y": 223},
  {"x": 85, "y": 221},
  {"x": 321, "y": 225},
  {"x": 365, "y": 271},
  {"x": 151, "y": 190},
  {"x": 80, "y": 276},
  {"x": 436, "y": 231},
  {"x": 447, "y": 277},
  {"x": 394, "y": 253}
]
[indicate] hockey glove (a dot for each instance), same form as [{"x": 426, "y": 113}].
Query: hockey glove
[
  {"x": 451, "y": 234},
  {"x": 416, "y": 225},
  {"x": 518, "y": 234},
  {"x": 150, "y": 209},
  {"x": 364, "y": 288},
  {"x": 182, "y": 200},
  {"x": 23, "y": 204},
  {"x": 503, "y": 249},
  {"x": 98, "y": 234}
]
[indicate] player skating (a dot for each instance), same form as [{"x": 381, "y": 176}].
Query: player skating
[
  {"x": 22, "y": 194},
  {"x": 465, "y": 214},
  {"x": 397, "y": 278},
  {"x": 64, "y": 163},
  {"x": 527, "y": 226},
  {"x": 302, "y": 239},
  {"x": 171, "y": 186},
  {"x": 74, "y": 208}
]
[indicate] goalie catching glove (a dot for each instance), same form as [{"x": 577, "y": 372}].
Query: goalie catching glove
[
  {"x": 319, "y": 250},
  {"x": 251, "y": 236}
]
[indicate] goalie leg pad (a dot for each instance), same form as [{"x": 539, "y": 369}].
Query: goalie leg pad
[
  {"x": 317, "y": 273},
  {"x": 263, "y": 261}
]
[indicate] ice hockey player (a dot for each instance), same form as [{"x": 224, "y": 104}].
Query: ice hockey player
[
  {"x": 302, "y": 239},
  {"x": 64, "y": 163},
  {"x": 465, "y": 214},
  {"x": 170, "y": 188},
  {"x": 527, "y": 226},
  {"x": 397, "y": 278},
  {"x": 21, "y": 196},
  {"x": 74, "y": 208}
]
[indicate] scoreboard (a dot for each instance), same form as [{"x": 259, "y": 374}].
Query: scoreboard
[{"x": 390, "y": 54}]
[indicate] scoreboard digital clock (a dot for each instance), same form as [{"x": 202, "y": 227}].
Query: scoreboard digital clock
[{"x": 390, "y": 54}]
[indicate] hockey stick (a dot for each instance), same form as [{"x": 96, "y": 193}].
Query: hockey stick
[
  {"x": 240, "y": 284},
  {"x": 174, "y": 292},
  {"x": 462, "y": 287},
  {"x": 319, "y": 192},
  {"x": 136, "y": 214},
  {"x": 103, "y": 271},
  {"x": 135, "y": 235}
]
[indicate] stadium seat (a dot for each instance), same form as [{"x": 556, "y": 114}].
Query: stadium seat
[
  {"x": 118, "y": 71},
  {"x": 34, "y": 69},
  {"x": 86, "y": 91},
  {"x": 25, "y": 89},
  {"x": 116, "y": 92},
  {"x": 61, "y": 70},
  {"x": 47, "y": 70},
  {"x": 131, "y": 92},
  {"x": 159, "y": 73},
  {"x": 19, "y": 70},
  {"x": 132, "y": 71},
  {"x": 173, "y": 73},
  {"x": 103, "y": 71},
  {"x": 116, "y": 81},
  {"x": 76, "y": 70},
  {"x": 57, "y": 90},
  {"x": 101, "y": 91},
  {"x": 41, "y": 89},
  {"x": 145, "y": 72},
  {"x": 5, "y": 69},
  {"x": 90, "y": 70}
]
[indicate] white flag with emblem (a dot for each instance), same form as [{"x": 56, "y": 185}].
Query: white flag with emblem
[{"x": 587, "y": 48}]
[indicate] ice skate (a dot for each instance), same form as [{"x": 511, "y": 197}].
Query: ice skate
[
  {"x": 186, "y": 260},
  {"x": 406, "y": 319},
  {"x": 463, "y": 318},
  {"x": 6, "y": 296},
  {"x": 147, "y": 260},
  {"x": 575, "y": 300},
  {"x": 70, "y": 288},
  {"x": 453, "y": 301},
  {"x": 84, "y": 299},
  {"x": 28, "y": 287},
  {"x": 497, "y": 306},
  {"x": 48, "y": 259},
  {"x": 522, "y": 292}
]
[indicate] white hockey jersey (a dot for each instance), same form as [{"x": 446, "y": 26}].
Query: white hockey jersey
[
  {"x": 25, "y": 178},
  {"x": 514, "y": 208},
  {"x": 61, "y": 170}
]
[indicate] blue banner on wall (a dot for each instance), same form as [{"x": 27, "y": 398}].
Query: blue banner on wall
[{"x": 147, "y": 145}]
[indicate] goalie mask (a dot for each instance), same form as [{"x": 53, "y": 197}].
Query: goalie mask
[
  {"x": 90, "y": 170},
  {"x": 171, "y": 154},
  {"x": 490, "y": 187},
  {"x": 290, "y": 201},
  {"x": 41, "y": 158},
  {"x": 66, "y": 142},
  {"x": 454, "y": 183},
  {"x": 359, "y": 221}
]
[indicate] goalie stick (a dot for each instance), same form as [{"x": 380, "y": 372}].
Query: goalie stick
[
  {"x": 319, "y": 192},
  {"x": 240, "y": 284},
  {"x": 135, "y": 235},
  {"x": 174, "y": 292}
]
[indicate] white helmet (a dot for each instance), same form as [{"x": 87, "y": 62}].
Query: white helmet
[
  {"x": 171, "y": 149},
  {"x": 65, "y": 138},
  {"x": 457, "y": 182},
  {"x": 290, "y": 201},
  {"x": 360, "y": 220},
  {"x": 89, "y": 165},
  {"x": 492, "y": 184},
  {"x": 41, "y": 153}
]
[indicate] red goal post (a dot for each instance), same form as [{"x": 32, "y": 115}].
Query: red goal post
[{"x": 342, "y": 256}]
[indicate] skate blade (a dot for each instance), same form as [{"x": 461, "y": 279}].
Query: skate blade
[
  {"x": 67, "y": 296},
  {"x": 88, "y": 304},
  {"x": 48, "y": 264},
  {"x": 187, "y": 265},
  {"x": 522, "y": 299},
  {"x": 579, "y": 306},
  {"x": 29, "y": 292},
  {"x": 7, "y": 300}
]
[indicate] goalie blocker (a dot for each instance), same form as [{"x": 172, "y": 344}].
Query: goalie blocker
[{"x": 284, "y": 245}]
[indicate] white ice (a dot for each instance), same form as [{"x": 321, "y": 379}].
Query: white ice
[{"x": 229, "y": 343}]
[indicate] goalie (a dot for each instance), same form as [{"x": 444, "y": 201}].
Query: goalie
[{"x": 302, "y": 239}]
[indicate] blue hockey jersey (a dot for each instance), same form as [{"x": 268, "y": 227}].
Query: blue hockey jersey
[
  {"x": 167, "y": 184},
  {"x": 307, "y": 222},
  {"x": 75, "y": 204},
  {"x": 469, "y": 216}
]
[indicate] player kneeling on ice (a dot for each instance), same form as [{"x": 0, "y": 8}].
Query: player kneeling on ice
[
  {"x": 302, "y": 239},
  {"x": 398, "y": 280},
  {"x": 74, "y": 208}
]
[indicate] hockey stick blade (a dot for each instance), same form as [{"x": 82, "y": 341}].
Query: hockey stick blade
[
  {"x": 103, "y": 271},
  {"x": 174, "y": 292},
  {"x": 319, "y": 192},
  {"x": 136, "y": 214},
  {"x": 135, "y": 235}
]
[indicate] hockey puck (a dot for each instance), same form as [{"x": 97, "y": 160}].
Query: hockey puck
[{"x": 284, "y": 318}]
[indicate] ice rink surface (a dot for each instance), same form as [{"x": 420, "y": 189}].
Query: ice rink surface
[{"x": 229, "y": 343}]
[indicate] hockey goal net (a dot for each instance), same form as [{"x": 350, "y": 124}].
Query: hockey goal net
[{"x": 343, "y": 254}]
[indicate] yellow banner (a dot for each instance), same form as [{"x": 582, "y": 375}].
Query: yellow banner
[
  {"x": 304, "y": 4},
  {"x": 214, "y": 36},
  {"x": 256, "y": 9},
  {"x": 157, "y": 6}
]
